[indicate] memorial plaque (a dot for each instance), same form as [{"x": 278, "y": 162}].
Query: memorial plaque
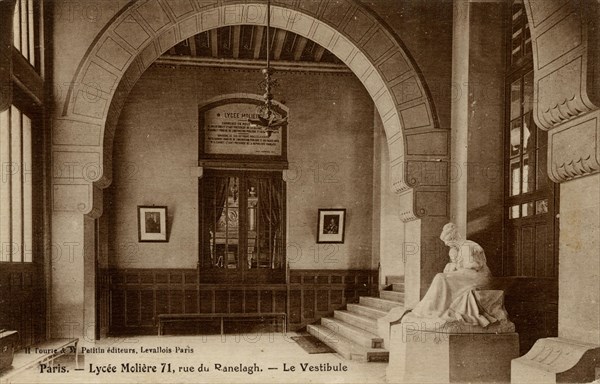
[{"x": 225, "y": 131}]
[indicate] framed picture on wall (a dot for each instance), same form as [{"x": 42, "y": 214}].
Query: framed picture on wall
[
  {"x": 152, "y": 224},
  {"x": 331, "y": 225}
]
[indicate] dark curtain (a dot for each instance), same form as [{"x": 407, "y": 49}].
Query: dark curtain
[
  {"x": 215, "y": 194},
  {"x": 221, "y": 188},
  {"x": 277, "y": 215},
  {"x": 270, "y": 216}
]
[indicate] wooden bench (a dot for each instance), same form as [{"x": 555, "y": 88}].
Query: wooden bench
[
  {"x": 164, "y": 318},
  {"x": 42, "y": 353}
]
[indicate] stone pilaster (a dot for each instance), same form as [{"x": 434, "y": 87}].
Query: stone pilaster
[{"x": 565, "y": 39}]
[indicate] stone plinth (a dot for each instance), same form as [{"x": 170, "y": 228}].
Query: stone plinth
[
  {"x": 385, "y": 323},
  {"x": 420, "y": 355},
  {"x": 557, "y": 360}
]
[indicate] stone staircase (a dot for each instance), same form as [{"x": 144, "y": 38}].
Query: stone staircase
[{"x": 353, "y": 332}]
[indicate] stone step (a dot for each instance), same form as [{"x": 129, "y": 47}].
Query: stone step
[
  {"x": 378, "y": 303},
  {"x": 357, "y": 335},
  {"x": 346, "y": 347},
  {"x": 394, "y": 279},
  {"x": 362, "y": 322},
  {"x": 392, "y": 295},
  {"x": 373, "y": 313}
]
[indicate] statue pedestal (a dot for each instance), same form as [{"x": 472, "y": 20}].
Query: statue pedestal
[
  {"x": 557, "y": 360},
  {"x": 385, "y": 323},
  {"x": 421, "y": 355}
]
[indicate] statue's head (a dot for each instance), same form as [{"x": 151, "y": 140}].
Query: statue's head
[{"x": 450, "y": 234}]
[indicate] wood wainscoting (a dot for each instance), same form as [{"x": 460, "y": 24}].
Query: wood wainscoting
[
  {"x": 532, "y": 304},
  {"x": 22, "y": 302},
  {"x": 102, "y": 302},
  {"x": 138, "y": 296}
]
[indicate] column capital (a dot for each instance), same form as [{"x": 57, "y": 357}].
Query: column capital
[{"x": 565, "y": 37}]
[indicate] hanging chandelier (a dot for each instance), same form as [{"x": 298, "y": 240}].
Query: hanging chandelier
[{"x": 267, "y": 120}]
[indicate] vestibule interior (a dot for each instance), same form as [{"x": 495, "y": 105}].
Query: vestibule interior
[
  {"x": 332, "y": 135},
  {"x": 338, "y": 157},
  {"x": 476, "y": 78}
]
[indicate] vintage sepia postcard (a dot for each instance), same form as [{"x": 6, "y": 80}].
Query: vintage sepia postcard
[{"x": 299, "y": 191}]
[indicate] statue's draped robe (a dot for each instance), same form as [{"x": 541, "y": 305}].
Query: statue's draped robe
[{"x": 452, "y": 294}]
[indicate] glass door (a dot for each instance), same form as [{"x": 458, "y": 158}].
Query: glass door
[
  {"x": 242, "y": 227},
  {"x": 530, "y": 197},
  {"x": 264, "y": 232}
]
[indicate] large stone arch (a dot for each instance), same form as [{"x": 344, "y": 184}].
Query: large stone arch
[
  {"x": 144, "y": 29},
  {"x": 141, "y": 32}
]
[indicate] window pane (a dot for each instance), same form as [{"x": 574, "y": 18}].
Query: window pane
[
  {"x": 515, "y": 99},
  {"x": 516, "y": 45},
  {"x": 265, "y": 228},
  {"x": 528, "y": 175},
  {"x": 27, "y": 191},
  {"x": 527, "y": 134},
  {"x": 515, "y": 137},
  {"x": 207, "y": 189},
  {"x": 24, "y": 30},
  {"x": 518, "y": 21},
  {"x": 16, "y": 186},
  {"x": 31, "y": 32},
  {"x": 527, "y": 209},
  {"x": 253, "y": 240},
  {"x": 528, "y": 92},
  {"x": 227, "y": 211},
  {"x": 5, "y": 186},
  {"x": 17, "y": 26},
  {"x": 513, "y": 212},
  {"x": 515, "y": 178},
  {"x": 517, "y": 11},
  {"x": 527, "y": 38},
  {"x": 270, "y": 218}
]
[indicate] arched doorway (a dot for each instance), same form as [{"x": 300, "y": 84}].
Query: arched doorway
[{"x": 139, "y": 33}]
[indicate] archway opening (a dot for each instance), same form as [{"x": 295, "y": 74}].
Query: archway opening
[{"x": 120, "y": 56}]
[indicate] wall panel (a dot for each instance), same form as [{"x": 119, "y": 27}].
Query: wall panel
[
  {"x": 138, "y": 296},
  {"x": 532, "y": 304}
]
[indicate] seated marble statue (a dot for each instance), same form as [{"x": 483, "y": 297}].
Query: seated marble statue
[
  {"x": 457, "y": 295},
  {"x": 459, "y": 299}
]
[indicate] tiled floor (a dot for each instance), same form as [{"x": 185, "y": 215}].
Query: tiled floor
[{"x": 271, "y": 353}]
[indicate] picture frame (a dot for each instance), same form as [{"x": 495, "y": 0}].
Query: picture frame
[
  {"x": 152, "y": 224},
  {"x": 331, "y": 225}
]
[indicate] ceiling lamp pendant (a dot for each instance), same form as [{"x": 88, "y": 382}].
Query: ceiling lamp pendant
[{"x": 268, "y": 121}]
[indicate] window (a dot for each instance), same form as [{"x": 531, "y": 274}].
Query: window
[
  {"x": 242, "y": 226},
  {"x": 25, "y": 28},
  {"x": 16, "y": 221},
  {"x": 530, "y": 202},
  {"x": 22, "y": 167},
  {"x": 527, "y": 144},
  {"x": 520, "y": 35},
  {"x": 530, "y": 230}
]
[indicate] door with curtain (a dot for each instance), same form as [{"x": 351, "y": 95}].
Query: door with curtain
[{"x": 242, "y": 227}]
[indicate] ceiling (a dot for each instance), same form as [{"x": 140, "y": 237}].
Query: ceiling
[{"x": 248, "y": 42}]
